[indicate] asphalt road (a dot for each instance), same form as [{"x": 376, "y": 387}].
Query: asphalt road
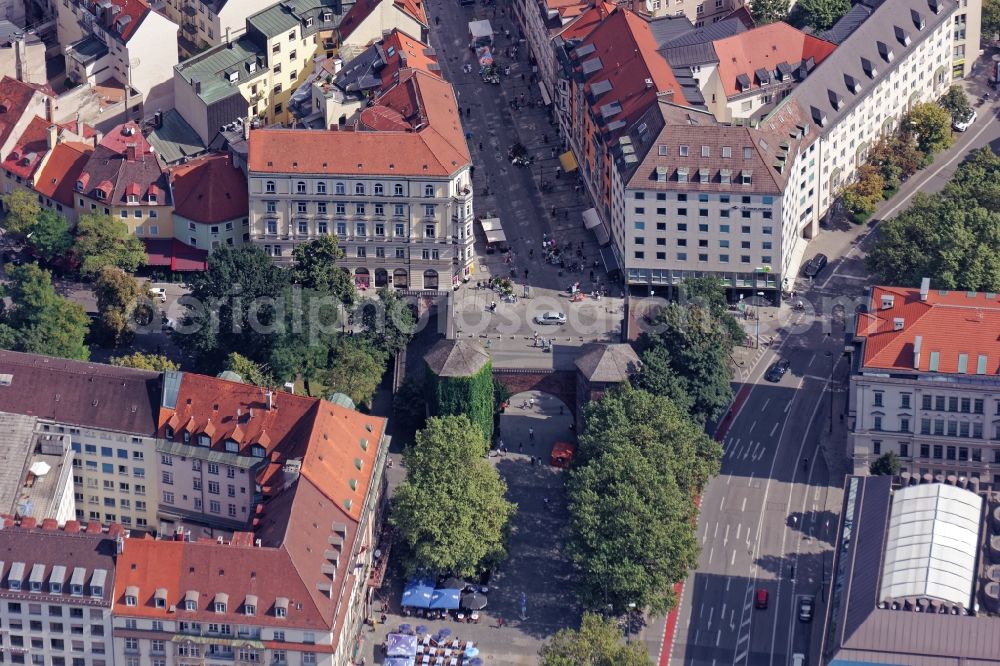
[{"x": 768, "y": 520}]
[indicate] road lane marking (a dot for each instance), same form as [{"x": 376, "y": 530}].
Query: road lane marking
[
  {"x": 738, "y": 527},
  {"x": 764, "y": 406},
  {"x": 711, "y": 551},
  {"x": 718, "y": 638},
  {"x": 729, "y": 579},
  {"x": 755, "y": 447},
  {"x": 716, "y": 534},
  {"x": 723, "y": 613},
  {"x": 752, "y": 426},
  {"x": 787, "y": 406},
  {"x": 774, "y": 428},
  {"x": 811, "y": 359},
  {"x": 743, "y": 507},
  {"x": 747, "y": 453},
  {"x": 711, "y": 614},
  {"x": 732, "y": 619},
  {"x": 701, "y": 610},
  {"x": 725, "y": 537},
  {"x": 732, "y": 560}
]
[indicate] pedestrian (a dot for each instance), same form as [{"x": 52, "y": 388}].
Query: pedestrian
[
  {"x": 500, "y": 623},
  {"x": 480, "y": 145},
  {"x": 531, "y": 402},
  {"x": 531, "y": 434},
  {"x": 437, "y": 20},
  {"x": 520, "y": 447}
]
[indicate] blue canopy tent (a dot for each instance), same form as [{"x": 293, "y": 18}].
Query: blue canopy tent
[
  {"x": 445, "y": 599},
  {"x": 417, "y": 593},
  {"x": 400, "y": 645}
]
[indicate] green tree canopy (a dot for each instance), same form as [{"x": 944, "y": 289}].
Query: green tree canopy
[
  {"x": 640, "y": 464},
  {"x": 473, "y": 396},
  {"x": 316, "y": 267},
  {"x": 22, "y": 211},
  {"x": 388, "y": 321},
  {"x": 769, "y": 11},
  {"x": 886, "y": 465},
  {"x": 598, "y": 642},
  {"x": 952, "y": 237},
  {"x": 249, "y": 371},
  {"x": 956, "y": 103},
  {"x": 699, "y": 351},
  {"x": 820, "y": 15},
  {"x": 120, "y": 300},
  {"x": 355, "y": 370},
  {"x": 235, "y": 305},
  {"x": 102, "y": 241},
  {"x": 657, "y": 377},
  {"x": 141, "y": 361},
  {"x": 930, "y": 125},
  {"x": 991, "y": 18},
  {"x": 40, "y": 320},
  {"x": 451, "y": 512},
  {"x": 49, "y": 236}
]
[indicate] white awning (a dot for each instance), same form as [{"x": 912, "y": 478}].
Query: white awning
[
  {"x": 492, "y": 229},
  {"x": 545, "y": 93},
  {"x": 40, "y": 468},
  {"x": 480, "y": 29},
  {"x": 591, "y": 219}
]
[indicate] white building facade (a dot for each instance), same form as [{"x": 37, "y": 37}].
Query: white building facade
[{"x": 919, "y": 392}]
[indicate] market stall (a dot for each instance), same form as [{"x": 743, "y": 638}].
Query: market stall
[
  {"x": 496, "y": 239},
  {"x": 480, "y": 34}
]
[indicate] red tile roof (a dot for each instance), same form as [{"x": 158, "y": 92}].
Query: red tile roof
[
  {"x": 31, "y": 147},
  {"x": 951, "y": 325},
  {"x": 123, "y": 23},
  {"x": 364, "y": 8},
  {"x": 407, "y": 52},
  {"x": 122, "y": 161},
  {"x": 624, "y": 56},
  {"x": 413, "y": 128},
  {"x": 15, "y": 98},
  {"x": 765, "y": 48},
  {"x": 209, "y": 190},
  {"x": 585, "y": 23},
  {"x": 57, "y": 179}
]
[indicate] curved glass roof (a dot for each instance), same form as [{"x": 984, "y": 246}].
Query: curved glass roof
[{"x": 931, "y": 547}]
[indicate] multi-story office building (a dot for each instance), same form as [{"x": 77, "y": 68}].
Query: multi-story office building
[
  {"x": 207, "y": 23},
  {"x": 926, "y": 382},
  {"x": 121, "y": 40},
  {"x": 395, "y": 188},
  {"x": 110, "y": 415},
  {"x": 697, "y": 198},
  {"x": 56, "y": 593}
]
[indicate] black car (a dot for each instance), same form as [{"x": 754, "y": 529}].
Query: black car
[
  {"x": 814, "y": 266},
  {"x": 776, "y": 371},
  {"x": 806, "y": 605}
]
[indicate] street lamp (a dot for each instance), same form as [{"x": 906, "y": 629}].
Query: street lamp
[
  {"x": 628, "y": 623},
  {"x": 760, "y": 295}
]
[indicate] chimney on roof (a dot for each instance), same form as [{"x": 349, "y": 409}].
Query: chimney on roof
[
  {"x": 130, "y": 152},
  {"x": 119, "y": 544},
  {"x": 925, "y": 288},
  {"x": 918, "y": 342},
  {"x": 270, "y": 400},
  {"x": 649, "y": 83},
  {"x": 53, "y": 136}
]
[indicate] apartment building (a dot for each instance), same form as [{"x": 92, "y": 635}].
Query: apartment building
[
  {"x": 55, "y": 179},
  {"x": 614, "y": 75},
  {"x": 124, "y": 41},
  {"x": 253, "y": 76},
  {"x": 402, "y": 211},
  {"x": 56, "y": 592},
  {"x": 207, "y": 23},
  {"x": 22, "y": 54},
  {"x": 296, "y": 589},
  {"x": 699, "y": 12},
  {"x": 124, "y": 179},
  {"x": 746, "y": 74},
  {"x": 210, "y": 202},
  {"x": 693, "y": 197},
  {"x": 369, "y": 21},
  {"x": 110, "y": 417},
  {"x": 897, "y": 57},
  {"x": 926, "y": 382}
]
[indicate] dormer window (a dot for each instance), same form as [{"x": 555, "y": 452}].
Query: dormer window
[
  {"x": 80, "y": 185},
  {"x": 250, "y": 605},
  {"x": 281, "y": 607},
  {"x": 132, "y": 199},
  {"x": 55, "y": 588},
  {"x": 96, "y": 591},
  {"x": 191, "y": 600},
  {"x": 258, "y": 451},
  {"x": 14, "y": 584},
  {"x": 232, "y": 446},
  {"x": 187, "y": 438},
  {"x": 100, "y": 194},
  {"x": 204, "y": 440},
  {"x": 131, "y": 601},
  {"x": 169, "y": 432},
  {"x": 160, "y": 598},
  {"x": 152, "y": 198},
  {"x": 36, "y": 586},
  {"x": 132, "y": 595}
]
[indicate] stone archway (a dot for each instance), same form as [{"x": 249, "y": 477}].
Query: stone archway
[
  {"x": 362, "y": 278},
  {"x": 400, "y": 278},
  {"x": 381, "y": 278},
  {"x": 533, "y": 422},
  {"x": 430, "y": 279}
]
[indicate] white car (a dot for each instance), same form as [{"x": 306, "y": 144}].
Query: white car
[
  {"x": 961, "y": 126},
  {"x": 552, "y": 317},
  {"x": 159, "y": 293}
]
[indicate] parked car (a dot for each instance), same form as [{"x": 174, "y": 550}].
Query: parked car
[
  {"x": 551, "y": 318},
  {"x": 806, "y": 606},
  {"x": 776, "y": 371},
  {"x": 761, "y": 598},
  {"x": 159, "y": 293},
  {"x": 814, "y": 266},
  {"x": 962, "y": 125}
]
